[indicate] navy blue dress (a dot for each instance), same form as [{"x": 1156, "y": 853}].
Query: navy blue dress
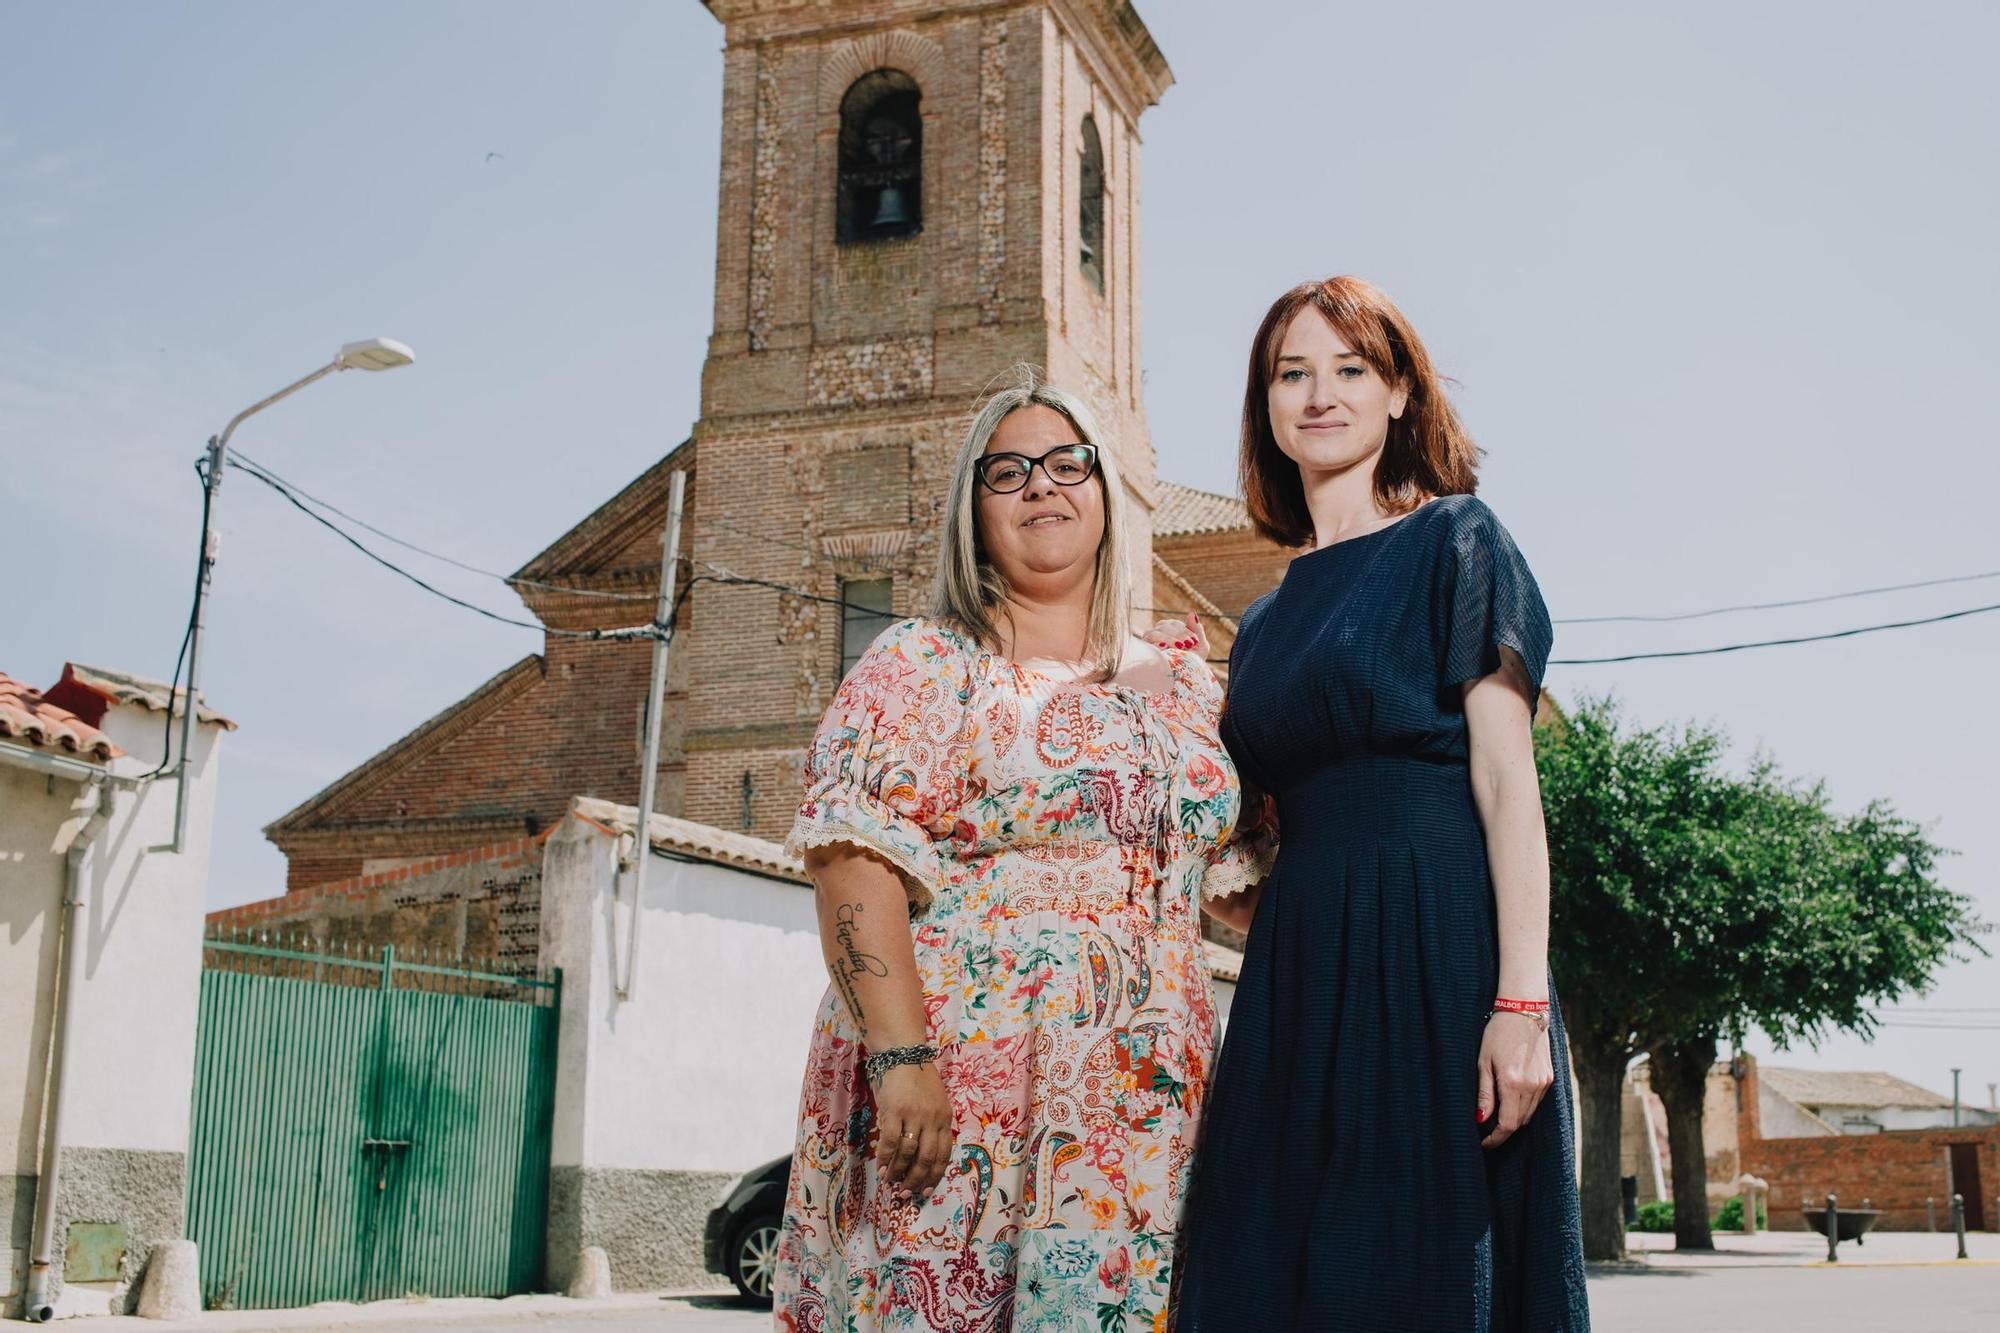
[{"x": 1340, "y": 1182}]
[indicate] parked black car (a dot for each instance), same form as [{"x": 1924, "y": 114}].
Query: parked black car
[{"x": 741, "y": 1242}]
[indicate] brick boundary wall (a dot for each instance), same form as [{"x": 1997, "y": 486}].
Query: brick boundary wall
[
  {"x": 1897, "y": 1171},
  {"x": 484, "y": 903},
  {"x": 1905, "y": 1174}
]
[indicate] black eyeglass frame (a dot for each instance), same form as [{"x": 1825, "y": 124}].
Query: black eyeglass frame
[{"x": 1089, "y": 452}]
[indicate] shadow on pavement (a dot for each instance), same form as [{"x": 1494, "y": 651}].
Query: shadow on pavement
[{"x": 1612, "y": 1270}]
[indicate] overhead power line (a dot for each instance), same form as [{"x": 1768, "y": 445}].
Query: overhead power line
[
  {"x": 430, "y": 588},
  {"x": 721, "y": 575},
  {"x": 1776, "y": 643},
  {"x": 1676, "y": 616},
  {"x": 264, "y": 474},
  {"x": 1778, "y": 606}
]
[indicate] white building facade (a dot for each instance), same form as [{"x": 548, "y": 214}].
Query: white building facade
[{"x": 100, "y": 960}]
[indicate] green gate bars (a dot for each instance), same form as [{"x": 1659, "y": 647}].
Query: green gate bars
[{"x": 367, "y": 1126}]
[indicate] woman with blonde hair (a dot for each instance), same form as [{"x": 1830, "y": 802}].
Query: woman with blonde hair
[{"x": 1013, "y": 811}]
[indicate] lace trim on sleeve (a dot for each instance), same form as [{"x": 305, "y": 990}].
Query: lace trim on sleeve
[{"x": 917, "y": 873}]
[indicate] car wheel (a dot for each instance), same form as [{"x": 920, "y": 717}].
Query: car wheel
[{"x": 753, "y": 1261}]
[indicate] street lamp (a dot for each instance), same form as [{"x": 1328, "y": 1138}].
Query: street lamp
[{"x": 368, "y": 354}]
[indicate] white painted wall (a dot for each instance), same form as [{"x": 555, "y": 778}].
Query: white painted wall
[
  {"x": 1779, "y": 1117},
  {"x": 140, "y": 936},
  {"x": 137, "y": 948},
  {"x": 31, "y": 880},
  {"x": 699, "y": 1070}
]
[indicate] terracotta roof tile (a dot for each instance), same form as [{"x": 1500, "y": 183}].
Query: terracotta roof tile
[
  {"x": 122, "y": 687},
  {"x": 1184, "y": 511},
  {"x": 29, "y": 719},
  {"x": 1831, "y": 1087}
]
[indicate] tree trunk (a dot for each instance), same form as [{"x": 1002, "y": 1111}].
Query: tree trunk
[
  {"x": 1600, "y": 1077},
  {"x": 1680, "y": 1076}
]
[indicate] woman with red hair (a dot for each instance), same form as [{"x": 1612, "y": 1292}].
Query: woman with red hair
[{"x": 1387, "y": 1144}]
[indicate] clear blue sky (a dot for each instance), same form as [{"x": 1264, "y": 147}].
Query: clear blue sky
[{"x": 1716, "y": 281}]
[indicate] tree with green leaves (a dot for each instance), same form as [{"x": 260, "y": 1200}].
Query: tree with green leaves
[{"x": 1689, "y": 904}]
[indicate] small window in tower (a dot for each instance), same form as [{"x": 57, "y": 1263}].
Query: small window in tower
[
  {"x": 1091, "y": 207},
  {"x": 881, "y": 159},
  {"x": 864, "y": 613}
]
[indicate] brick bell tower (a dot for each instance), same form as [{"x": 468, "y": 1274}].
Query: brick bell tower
[{"x": 914, "y": 196}]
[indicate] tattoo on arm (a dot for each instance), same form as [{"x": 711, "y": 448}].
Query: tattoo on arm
[
  {"x": 853, "y": 962},
  {"x": 845, "y": 985}
]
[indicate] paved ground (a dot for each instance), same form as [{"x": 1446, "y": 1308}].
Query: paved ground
[
  {"x": 1808, "y": 1300},
  {"x": 1776, "y": 1283}
]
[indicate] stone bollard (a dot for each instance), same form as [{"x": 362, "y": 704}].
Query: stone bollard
[
  {"x": 1832, "y": 1229},
  {"x": 1958, "y": 1221},
  {"x": 1930, "y": 1213},
  {"x": 1749, "y": 1187},
  {"x": 593, "y": 1275},
  {"x": 173, "y": 1282}
]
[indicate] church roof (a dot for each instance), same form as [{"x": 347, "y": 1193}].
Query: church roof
[
  {"x": 609, "y": 529},
  {"x": 364, "y": 777},
  {"x": 1183, "y": 511}
]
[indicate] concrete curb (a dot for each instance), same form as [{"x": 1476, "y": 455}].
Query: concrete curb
[{"x": 459, "y": 1312}]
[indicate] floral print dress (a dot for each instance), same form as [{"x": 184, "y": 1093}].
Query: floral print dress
[{"x": 1056, "y": 838}]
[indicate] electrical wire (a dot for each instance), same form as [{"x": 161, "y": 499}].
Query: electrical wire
[
  {"x": 1677, "y": 616},
  {"x": 430, "y": 588},
  {"x": 187, "y": 635},
  {"x": 1936, "y": 1009},
  {"x": 724, "y": 576},
  {"x": 1936, "y": 1027},
  {"x": 1776, "y": 606},
  {"x": 1776, "y": 643},
  {"x": 269, "y": 477}
]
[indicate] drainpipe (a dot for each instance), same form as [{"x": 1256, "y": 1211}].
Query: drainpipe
[{"x": 87, "y": 820}]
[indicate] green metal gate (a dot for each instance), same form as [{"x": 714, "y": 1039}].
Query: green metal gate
[{"x": 367, "y": 1126}]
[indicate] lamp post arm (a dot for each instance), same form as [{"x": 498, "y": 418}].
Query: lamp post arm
[
  {"x": 218, "y": 449},
  {"x": 285, "y": 392}
]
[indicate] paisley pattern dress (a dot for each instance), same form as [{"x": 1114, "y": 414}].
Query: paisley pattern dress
[{"x": 1056, "y": 837}]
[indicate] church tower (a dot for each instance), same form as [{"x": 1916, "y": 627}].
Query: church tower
[{"x": 914, "y": 197}]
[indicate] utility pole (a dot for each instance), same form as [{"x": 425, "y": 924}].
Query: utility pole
[
  {"x": 369, "y": 354},
  {"x": 1954, "y": 1097},
  {"x": 649, "y": 772}
]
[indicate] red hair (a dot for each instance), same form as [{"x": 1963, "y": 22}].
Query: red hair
[{"x": 1427, "y": 452}]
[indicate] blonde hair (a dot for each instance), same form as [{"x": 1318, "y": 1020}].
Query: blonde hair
[{"x": 970, "y": 590}]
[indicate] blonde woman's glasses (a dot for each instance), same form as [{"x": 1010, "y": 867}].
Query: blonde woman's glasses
[{"x": 1065, "y": 465}]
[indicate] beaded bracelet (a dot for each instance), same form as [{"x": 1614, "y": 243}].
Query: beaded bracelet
[
  {"x": 1535, "y": 1011},
  {"x": 880, "y": 1063}
]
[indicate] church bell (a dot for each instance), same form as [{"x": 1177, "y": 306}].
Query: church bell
[{"x": 889, "y": 210}]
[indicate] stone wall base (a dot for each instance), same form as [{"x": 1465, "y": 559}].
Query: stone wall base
[
  {"x": 649, "y": 1224},
  {"x": 145, "y": 1192}
]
